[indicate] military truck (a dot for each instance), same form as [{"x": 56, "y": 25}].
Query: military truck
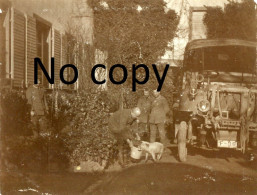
[{"x": 217, "y": 101}]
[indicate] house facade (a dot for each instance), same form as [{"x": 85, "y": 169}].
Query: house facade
[{"x": 43, "y": 29}]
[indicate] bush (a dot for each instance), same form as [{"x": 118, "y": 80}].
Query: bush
[
  {"x": 35, "y": 154},
  {"x": 82, "y": 119},
  {"x": 77, "y": 130},
  {"x": 15, "y": 110},
  {"x": 20, "y": 149}
]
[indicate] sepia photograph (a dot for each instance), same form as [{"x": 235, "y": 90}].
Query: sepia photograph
[{"x": 128, "y": 97}]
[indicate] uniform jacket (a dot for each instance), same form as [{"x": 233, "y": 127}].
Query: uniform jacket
[
  {"x": 36, "y": 99},
  {"x": 120, "y": 120},
  {"x": 159, "y": 109},
  {"x": 144, "y": 103}
]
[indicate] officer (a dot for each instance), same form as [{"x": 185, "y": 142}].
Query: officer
[
  {"x": 158, "y": 117},
  {"x": 120, "y": 125},
  {"x": 144, "y": 103},
  {"x": 37, "y": 100}
]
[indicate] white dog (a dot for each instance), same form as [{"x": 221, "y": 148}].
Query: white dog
[{"x": 155, "y": 149}]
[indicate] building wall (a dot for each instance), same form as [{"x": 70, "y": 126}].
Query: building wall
[
  {"x": 61, "y": 13},
  {"x": 39, "y": 28},
  {"x": 197, "y": 29}
]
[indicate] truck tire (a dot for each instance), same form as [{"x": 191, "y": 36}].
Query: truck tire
[
  {"x": 253, "y": 140},
  {"x": 182, "y": 135}
]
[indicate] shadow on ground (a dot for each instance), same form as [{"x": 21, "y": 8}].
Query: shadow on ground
[
  {"x": 151, "y": 178},
  {"x": 178, "y": 178}
]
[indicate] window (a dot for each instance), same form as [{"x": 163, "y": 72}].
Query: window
[{"x": 42, "y": 42}]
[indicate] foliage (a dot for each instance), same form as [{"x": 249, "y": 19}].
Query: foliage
[
  {"x": 78, "y": 131},
  {"x": 35, "y": 153},
  {"x": 15, "y": 113},
  {"x": 131, "y": 36},
  {"x": 20, "y": 148},
  {"x": 82, "y": 119},
  {"x": 236, "y": 21}
]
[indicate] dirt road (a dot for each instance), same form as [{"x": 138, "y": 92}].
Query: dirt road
[{"x": 206, "y": 171}]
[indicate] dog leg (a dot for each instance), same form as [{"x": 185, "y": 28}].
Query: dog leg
[
  {"x": 160, "y": 154},
  {"x": 146, "y": 157},
  {"x": 154, "y": 157}
]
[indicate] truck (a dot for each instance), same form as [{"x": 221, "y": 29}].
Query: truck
[{"x": 217, "y": 99}]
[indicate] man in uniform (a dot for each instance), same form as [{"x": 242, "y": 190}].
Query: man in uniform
[
  {"x": 158, "y": 117},
  {"x": 120, "y": 125},
  {"x": 144, "y": 103},
  {"x": 36, "y": 98}
]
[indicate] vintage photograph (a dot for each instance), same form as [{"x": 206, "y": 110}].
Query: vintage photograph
[{"x": 128, "y": 97}]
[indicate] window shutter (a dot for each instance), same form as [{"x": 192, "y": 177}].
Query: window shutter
[
  {"x": 57, "y": 56},
  {"x": 31, "y": 48},
  {"x": 64, "y": 58},
  {"x": 19, "y": 48}
]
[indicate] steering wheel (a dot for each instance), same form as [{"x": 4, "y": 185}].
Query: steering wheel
[{"x": 211, "y": 74}]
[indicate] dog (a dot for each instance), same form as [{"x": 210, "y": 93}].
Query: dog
[{"x": 155, "y": 149}]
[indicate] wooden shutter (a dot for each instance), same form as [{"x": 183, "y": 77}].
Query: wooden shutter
[
  {"x": 31, "y": 48},
  {"x": 57, "y": 56},
  {"x": 19, "y": 48},
  {"x": 64, "y": 58}
]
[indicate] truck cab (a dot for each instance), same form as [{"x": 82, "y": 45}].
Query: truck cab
[{"x": 217, "y": 98}]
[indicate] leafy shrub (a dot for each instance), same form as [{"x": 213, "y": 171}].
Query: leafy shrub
[
  {"x": 20, "y": 149},
  {"x": 15, "y": 118},
  {"x": 78, "y": 130},
  {"x": 35, "y": 154},
  {"x": 83, "y": 122}
]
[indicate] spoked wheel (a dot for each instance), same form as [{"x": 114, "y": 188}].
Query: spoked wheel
[{"x": 182, "y": 134}]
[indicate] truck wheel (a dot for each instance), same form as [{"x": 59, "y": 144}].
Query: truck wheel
[
  {"x": 182, "y": 134},
  {"x": 175, "y": 141},
  {"x": 253, "y": 140}
]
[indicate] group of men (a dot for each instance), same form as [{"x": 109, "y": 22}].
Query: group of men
[{"x": 150, "y": 115}]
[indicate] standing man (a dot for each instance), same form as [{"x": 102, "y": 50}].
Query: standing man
[
  {"x": 158, "y": 117},
  {"x": 36, "y": 98},
  {"x": 144, "y": 103},
  {"x": 120, "y": 125}
]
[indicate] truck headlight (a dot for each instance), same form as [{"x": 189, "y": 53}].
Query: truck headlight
[{"x": 204, "y": 105}]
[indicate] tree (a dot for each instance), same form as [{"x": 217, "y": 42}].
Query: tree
[
  {"x": 132, "y": 32},
  {"x": 236, "y": 21}
]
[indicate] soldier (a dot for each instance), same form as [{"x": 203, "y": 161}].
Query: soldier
[
  {"x": 36, "y": 98},
  {"x": 158, "y": 117},
  {"x": 120, "y": 125},
  {"x": 144, "y": 103}
]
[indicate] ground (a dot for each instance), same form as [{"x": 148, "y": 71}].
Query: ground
[{"x": 206, "y": 171}]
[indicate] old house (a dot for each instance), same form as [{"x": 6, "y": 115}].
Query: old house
[{"x": 42, "y": 29}]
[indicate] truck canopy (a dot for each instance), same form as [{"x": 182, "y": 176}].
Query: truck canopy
[
  {"x": 203, "y": 43},
  {"x": 221, "y": 55}
]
